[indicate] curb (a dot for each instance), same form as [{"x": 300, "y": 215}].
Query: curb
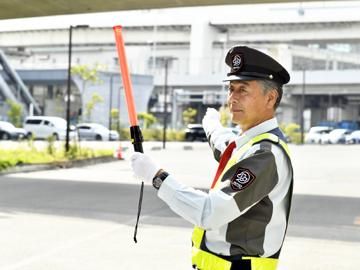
[{"x": 58, "y": 165}]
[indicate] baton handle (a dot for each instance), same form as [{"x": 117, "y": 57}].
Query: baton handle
[{"x": 136, "y": 138}]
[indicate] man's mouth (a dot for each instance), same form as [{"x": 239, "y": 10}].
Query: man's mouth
[{"x": 236, "y": 110}]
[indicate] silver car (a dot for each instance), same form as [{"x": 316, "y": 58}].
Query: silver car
[{"x": 96, "y": 132}]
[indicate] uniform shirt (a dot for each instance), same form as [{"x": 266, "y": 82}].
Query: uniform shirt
[{"x": 251, "y": 220}]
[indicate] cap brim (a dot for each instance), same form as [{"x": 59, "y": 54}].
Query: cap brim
[{"x": 239, "y": 78}]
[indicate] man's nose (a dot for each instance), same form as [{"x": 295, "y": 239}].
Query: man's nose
[{"x": 233, "y": 99}]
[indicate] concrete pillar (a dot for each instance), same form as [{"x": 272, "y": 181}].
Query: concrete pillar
[
  {"x": 201, "y": 49},
  {"x": 283, "y": 55}
]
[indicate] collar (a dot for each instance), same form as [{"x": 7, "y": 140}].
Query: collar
[{"x": 255, "y": 131}]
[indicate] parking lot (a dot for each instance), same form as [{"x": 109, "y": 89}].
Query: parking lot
[{"x": 82, "y": 218}]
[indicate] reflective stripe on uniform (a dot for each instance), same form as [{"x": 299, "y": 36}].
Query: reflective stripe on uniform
[
  {"x": 207, "y": 261},
  {"x": 258, "y": 263},
  {"x": 204, "y": 260},
  {"x": 265, "y": 136}
]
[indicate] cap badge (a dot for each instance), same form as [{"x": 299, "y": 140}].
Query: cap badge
[{"x": 237, "y": 62}]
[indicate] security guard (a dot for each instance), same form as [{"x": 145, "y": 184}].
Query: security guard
[{"x": 241, "y": 222}]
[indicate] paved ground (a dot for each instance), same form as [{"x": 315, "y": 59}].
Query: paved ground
[{"x": 68, "y": 219}]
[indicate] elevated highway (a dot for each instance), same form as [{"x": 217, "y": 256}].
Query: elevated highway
[
  {"x": 318, "y": 43},
  {"x": 33, "y": 8}
]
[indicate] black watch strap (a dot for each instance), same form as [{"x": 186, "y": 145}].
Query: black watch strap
[{"x": 157, "y": 181}]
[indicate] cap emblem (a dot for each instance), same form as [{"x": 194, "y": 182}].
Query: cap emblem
[{"x": 237, "y": 62}]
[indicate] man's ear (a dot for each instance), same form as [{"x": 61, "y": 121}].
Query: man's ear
[{"x": 272, "y": 96}]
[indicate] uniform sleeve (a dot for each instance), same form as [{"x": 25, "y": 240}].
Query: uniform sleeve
[
  {"x": 219, "y": 139},
  {"x": 206, "y": 210},
  {"x": 242, "y": 186}
]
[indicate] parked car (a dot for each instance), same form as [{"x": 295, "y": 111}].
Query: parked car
[
  {"x": 96, "y": 132},
  {"x": 348, "y": 124},
  {"x": 9, "y": 132},
  {"x": 331, "y": 124},
  {"x": 42, "y": 127},
  {"x": 335, "y": 136},
  {"x": 316, "y": 133},
  {"x": 353, "y": 137},
  {"x": 195, "y": 132}
]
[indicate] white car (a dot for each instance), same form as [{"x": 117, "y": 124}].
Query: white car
[
  {"x": 97, "y": 132},
  {"x": 9, "y": 132},
  {"x": 336, "y": 136},
  {"x": 42, "y": 127},
  {"x": 317, "y": 134},
  {"x": 353, "y": 137}
]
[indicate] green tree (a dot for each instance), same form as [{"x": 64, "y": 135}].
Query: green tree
[
  {"x": 87, "y": 74},
  {"x": 15, "y": 112},
  {"x": 95, "y": 99},
  {"x": 189, "y": 115},
  {"x": 224, "y": 115},
  {"x": 147, "y": 119},
  {"x": 115, "y": 120}
]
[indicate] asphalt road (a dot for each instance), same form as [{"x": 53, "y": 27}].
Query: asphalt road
[
  {"x": 312, "y": 216},
  {"x": 83, "y": 218}
]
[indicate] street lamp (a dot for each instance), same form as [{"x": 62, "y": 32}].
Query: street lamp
[
  {"x": 302, "y": 105},
  {"x": 68, "y": 92},
  {"x": 166, "y": 62},
  {"x": 110, "y": 103}
]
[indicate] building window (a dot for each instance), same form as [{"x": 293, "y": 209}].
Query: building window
[{"x": 159, "y": 62}]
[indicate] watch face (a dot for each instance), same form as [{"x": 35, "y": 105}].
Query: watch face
[{"x": 157, "y": 182}]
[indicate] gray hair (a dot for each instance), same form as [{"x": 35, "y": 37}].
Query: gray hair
[{"x": 268, "y": 85}]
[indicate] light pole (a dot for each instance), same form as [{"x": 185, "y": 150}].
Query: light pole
[
  {"x": 302, "y": 105},
  {"x": 166, "y": 62},
  {"x": 165, "y": 97},
  {"x": 110, "y": 103},
  {"x": 68, "y": 91}
]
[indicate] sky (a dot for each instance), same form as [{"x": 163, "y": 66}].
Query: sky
[{"x": 260, "y": 13}]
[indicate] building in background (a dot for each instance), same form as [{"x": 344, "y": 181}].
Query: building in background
[{"x": 317, "y": 42}]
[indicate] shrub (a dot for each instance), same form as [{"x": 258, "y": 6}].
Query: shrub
[
  {"x": 155, "y": 134},
  {"x": 292, "y": 131},
  {"x": 152, "y": 134},
  {"x": 124, "y": 134},
  {"x": 30, "y": 155}
]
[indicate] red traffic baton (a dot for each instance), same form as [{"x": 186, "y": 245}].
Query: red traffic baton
[{"x": 135, "y": 132}]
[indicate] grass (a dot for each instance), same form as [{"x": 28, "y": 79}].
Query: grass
[{"x": 27, "y": 154}]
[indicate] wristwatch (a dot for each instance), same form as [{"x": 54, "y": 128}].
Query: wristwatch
[{"x": 158, "y": 179}]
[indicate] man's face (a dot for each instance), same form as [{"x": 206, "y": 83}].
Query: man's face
[{"x": 249, "y": 105}]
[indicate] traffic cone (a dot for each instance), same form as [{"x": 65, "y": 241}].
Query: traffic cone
[{"x": 118, "y": 153}]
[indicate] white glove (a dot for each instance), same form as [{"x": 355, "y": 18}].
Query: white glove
[
  {"x": 211, "y": 121},
  {"x": 144, "y": 167}
]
